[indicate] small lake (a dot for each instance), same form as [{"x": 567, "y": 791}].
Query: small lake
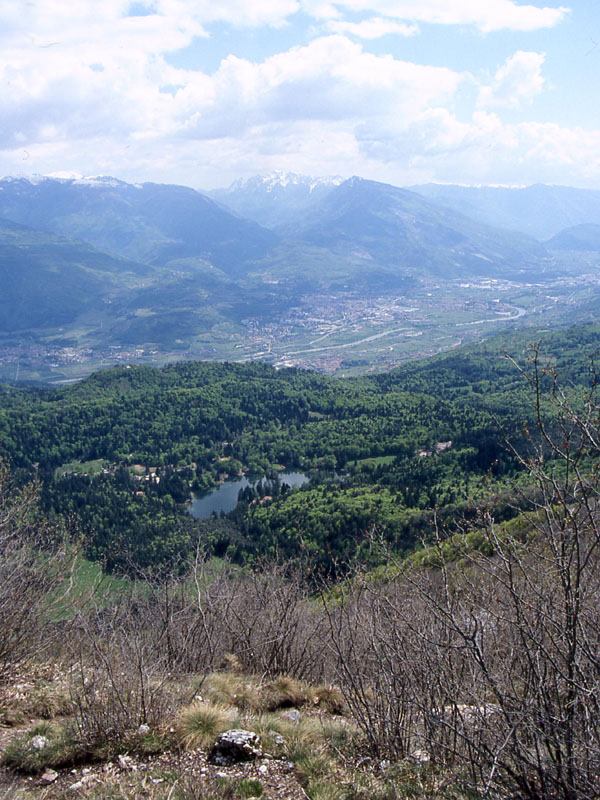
[{"x": 225, "y": 497}]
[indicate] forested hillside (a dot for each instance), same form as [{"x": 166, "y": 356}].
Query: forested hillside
[{"x": 121, "y": 451}]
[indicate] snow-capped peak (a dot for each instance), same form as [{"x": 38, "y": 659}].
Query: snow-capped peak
[
  {"x": 280, "y": 180},
  {"x": 59, "y": 175},
  {"x": 63, "y": 176},
  {"x": 88, "y": 180}
]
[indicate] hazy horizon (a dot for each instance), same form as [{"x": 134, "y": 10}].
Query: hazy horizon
[{"x": 274, "y": 175}]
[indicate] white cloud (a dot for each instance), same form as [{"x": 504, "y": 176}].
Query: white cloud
[
  {"x": 298, "y": 109},
  {"x": 321, "y": 9},
  {"x": 438, "y": 146},
  {"x": 45, "y": 22},
  {"x": 430, "y": 144},
  {"x": 515, "y": 83},
  {"x": 487, "y": 15},
  {"x": 331, "y": 79},
  {"x": 81, "y": 91},
  {"x": 243, "y": 13},
  {"x": 372, "y": 28}
]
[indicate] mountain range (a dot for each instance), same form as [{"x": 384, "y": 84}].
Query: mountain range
[
  {"x": 399, "y": 230},
  {"x": 540, "y": 211},
  {"x": 48, "y": 280},
  {"x": 151, "y": 223},
  {"x": 277, "y": 200},
  {"x": 116, "y": 263}
]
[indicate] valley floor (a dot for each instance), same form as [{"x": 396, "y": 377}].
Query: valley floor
[{"x": 344, "y": 333}]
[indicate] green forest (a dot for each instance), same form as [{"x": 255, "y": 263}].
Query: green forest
[{"x": 392, "y": 455}]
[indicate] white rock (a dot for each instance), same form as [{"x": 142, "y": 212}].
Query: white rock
[
  {"x": 49, "y": 776},
  {"x": 75, "y": 787},
  {"x": 233, "y": 746},
  {"x": 39, "y": 742},
  {"x": 125, "y": 762}
]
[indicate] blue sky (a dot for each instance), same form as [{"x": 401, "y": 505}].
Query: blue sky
[{"x": 202, "y": 93}]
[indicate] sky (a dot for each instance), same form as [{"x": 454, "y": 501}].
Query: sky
[{"x": 204, "y": 92}]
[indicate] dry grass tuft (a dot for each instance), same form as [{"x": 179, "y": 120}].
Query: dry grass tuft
[
  {"x": 329, "y": 699},
  {"x": 231, "y": 663},
  {"x": 229, "y": 689},
  {"x": 282, "y": 692},
  {"x": 201, "y": 723},
  {"x": 327, "y": 790}
]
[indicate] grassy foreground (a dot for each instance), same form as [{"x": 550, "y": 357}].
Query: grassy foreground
[{"x": 310, "y": 745}]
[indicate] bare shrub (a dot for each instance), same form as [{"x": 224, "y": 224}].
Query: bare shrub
[
  {"x": 126, "y": 654},
  {"x": 117, "y": 681},
  {"x": 263, "y": 620},
  {"x": 34, "y": 572},
  {"x": 182, "y": 615},
  {"x": 490, "y": 665},
  {"x": 374, "y": 666},
  {"x": 273, "y": 627}
]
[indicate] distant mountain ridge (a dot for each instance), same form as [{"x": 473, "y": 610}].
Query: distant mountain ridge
[
  {"x": 163, "y": 264},
  {"x": 401, "y": 231},
  {"x": 357, "y": 226},
  {"x": 151, "y": 223},
  {"x": 49, "y": 280},
  {"x": 584, "y": 237},
  {"x": 539, "y": 210},
  {"x": 275, "y": 200}
]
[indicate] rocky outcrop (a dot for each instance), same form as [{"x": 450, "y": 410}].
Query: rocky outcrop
[{"x": 233, "y": 746}]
